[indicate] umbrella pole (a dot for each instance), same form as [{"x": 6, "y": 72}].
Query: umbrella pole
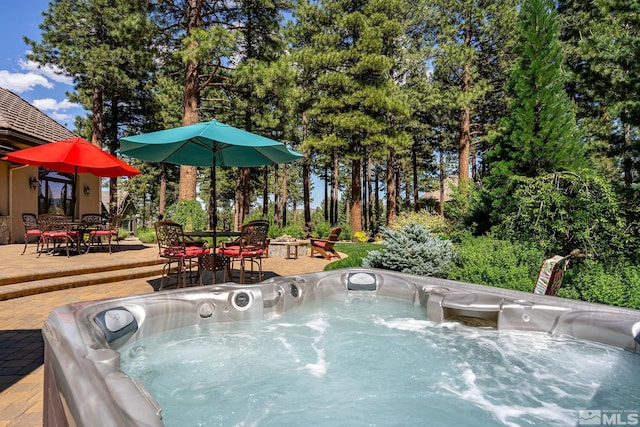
[
  {"x": 74, "y": 197},
  {"x": 214, "y": 218}
]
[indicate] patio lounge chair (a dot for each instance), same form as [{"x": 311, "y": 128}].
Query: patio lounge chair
[
  {"x": 324, "y": 247},
  {"x": 31, "y": 229},
  {"x": 172, "y": 246},
  {"x": 251, "y": 246}
]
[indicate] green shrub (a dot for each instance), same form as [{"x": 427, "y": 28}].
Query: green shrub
[
  {"x": 122, "y": 233},
  {"x": 489, "y": 261},
  {"x": 147, "y": 235},
  {"x": 564, "y": 211},
  {"x": 436, "y": 224},
  {"x": 321, "y": 230},
  {"x": 355, "y": 252},
  {"x": 293, "y": 231},
  {"x": 189, "y": 213},
  {"x": 412, "y": 250},
  {"x": 614, "y": 284}
]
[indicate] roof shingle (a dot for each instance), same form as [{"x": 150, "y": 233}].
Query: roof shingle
[{"x": 21, "y": 122}]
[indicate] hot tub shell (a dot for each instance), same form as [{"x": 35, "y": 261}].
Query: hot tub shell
[{"x": 83, "y": 383}]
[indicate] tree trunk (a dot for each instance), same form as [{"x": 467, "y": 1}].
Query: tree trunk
[
  {"x": 365, "y": 183},
  {"x": 356, "y": 196},
  {"x": 376, "y": 197},
  {"x": 276, "y": 195},
  {"x": 191, "y": 100},
  {"x": 96, "y": 122},
  {"x": 113, "y": 147},
  {"x": 246, "y": 197},
  {"x": 627, "y": 162},
  {"x": 441, "y": 183},
  {"x": 334, "y": 189},
  {"x": 237, "y": 205},
  {"x": 265, "y": 191},
  {"x": 414, "y": 170},
  {"x": 284, "y": 195},
  {"x": 326, "y": 194},
  {"x": 391, "y": 188},
  {"x": 306, "y": 186},
  {"x": 162, "y": 197},
  {"x": 306, "y": 181},
  {"x": 465, "y": 119},
  {"x": 370, "y": 195}
]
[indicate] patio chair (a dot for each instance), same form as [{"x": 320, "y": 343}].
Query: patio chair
[
  {"x": 324, "y": 247},
  {"x": 172, "y": 246},
  {"x": 31, "y": 229},
  {"x": 100, "y": 230},
  {"x": 214, "y": 262},
  {"x": 249, "y": 247},
  {"x": 55, "y": 228}
]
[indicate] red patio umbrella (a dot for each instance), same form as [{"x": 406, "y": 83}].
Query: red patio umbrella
[{"x": 73, "y": 155}]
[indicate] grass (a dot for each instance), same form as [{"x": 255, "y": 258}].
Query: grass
[{"x": 355, "y": 251}]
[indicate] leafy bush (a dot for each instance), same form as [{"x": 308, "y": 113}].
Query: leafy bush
[
  {"x": 189, "y": 213},
  {"x": 361, "y": 236},
  {"x": 564, "y": 211},
  {"x": 293, "y": 231},
  {"x": 487, "y": 260},
  {"x": 604, "y": 284},
  {"x": 355, "y": 252},
  {"x": 147, "y": 235},
  {"x": 436, "y": 224},
  {"x": 412, "y": 250}
]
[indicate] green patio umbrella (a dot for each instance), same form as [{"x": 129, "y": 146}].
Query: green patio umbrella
[{"x": 207, "y": 144}]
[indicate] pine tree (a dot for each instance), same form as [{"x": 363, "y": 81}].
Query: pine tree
[
  {"x": 348, "y": 51},
  {"x": 539, "y": 133}
]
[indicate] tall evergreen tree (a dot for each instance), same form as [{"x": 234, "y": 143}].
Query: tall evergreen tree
[
  {"x": 102, "y": 44},
  {"x": 540, "y": 134},
  {"x": 473, "y": 52},
  {"x": 599, "y": 39},
  {"x": 350, "y": 50}
]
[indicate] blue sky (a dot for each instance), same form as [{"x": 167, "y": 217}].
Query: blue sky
[{"x": 41, "y": 87}]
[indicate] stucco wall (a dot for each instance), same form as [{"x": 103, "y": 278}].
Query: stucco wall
[
  {"x": 22, "y": 199},
  {"x": 16, "y": 197}
]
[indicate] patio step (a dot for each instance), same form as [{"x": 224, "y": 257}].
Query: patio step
[
  {"x": 31, "y": 275},
  {"x": 68, "y": 279}
]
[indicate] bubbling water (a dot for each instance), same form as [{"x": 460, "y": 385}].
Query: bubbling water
[{"x": 367, "y": 361}]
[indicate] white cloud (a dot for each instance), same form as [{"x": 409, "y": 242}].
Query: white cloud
[
  {"x": 50, "y": 104},
  {"x": 65, "y": 119},
  {"x": 22, "y": 82},
  {"x": 48, "y": 71}
]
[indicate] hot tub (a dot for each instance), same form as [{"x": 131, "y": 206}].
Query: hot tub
[{"x": 85, "y": 385}]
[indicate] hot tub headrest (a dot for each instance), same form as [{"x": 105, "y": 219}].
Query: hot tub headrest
[{"x": 116, "y": 322}]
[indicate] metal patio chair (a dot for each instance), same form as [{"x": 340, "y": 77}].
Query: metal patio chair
[
  {"x": 172, "y": 246},
  {"x": 250, "y": 247},
  {"x": 31, "y": 229}
]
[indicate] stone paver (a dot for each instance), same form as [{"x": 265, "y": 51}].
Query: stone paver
[{"x": 21, "y": 319}]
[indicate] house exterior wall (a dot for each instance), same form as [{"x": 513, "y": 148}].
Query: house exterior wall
[
  {"x": 88, "y": 203},
  {"x": 21, "y": 199},
  {"x": 16, "y": 198}
]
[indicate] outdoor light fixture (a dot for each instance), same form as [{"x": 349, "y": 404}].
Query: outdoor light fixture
[
  {"x": 33, "y": 183},
  {"x": 87, "y": 190}
]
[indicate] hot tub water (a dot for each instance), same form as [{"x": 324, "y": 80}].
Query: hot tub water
[{"x": 362, "y": 360}]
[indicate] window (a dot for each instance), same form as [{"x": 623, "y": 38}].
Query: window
[{"x": 55, "y": 192}]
